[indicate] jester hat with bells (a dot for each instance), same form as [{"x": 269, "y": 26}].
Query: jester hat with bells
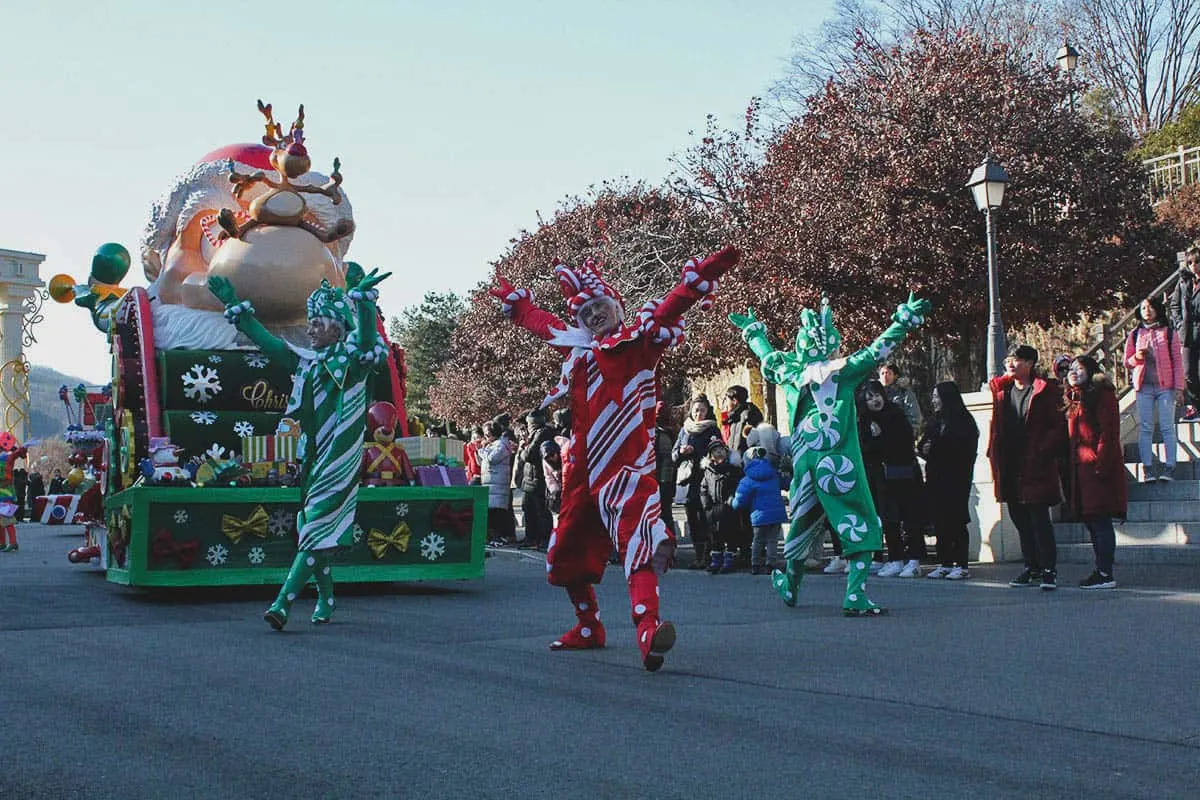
[
  {"x": 332, "y": 303},
  {"x": 580, "y": 285},
  {"x": 817, "y": 338}
]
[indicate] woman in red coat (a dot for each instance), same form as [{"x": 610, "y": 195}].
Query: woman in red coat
[{"x": 1097, "y": 487}]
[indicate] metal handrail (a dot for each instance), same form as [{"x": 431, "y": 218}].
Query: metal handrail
[
  {"x": 1122, "y": 325},
  {"x": 1167, "y": 173}
]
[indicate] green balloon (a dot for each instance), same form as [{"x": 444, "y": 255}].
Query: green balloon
[{"x": 110, "y": 264}]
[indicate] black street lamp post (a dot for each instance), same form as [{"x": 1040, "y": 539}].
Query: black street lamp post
[{"x": 987, "y": 184}]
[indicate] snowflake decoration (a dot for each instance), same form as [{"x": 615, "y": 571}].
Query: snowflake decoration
[
  {"x": 203, "y": 417},
  {"x": 216, "y": 452},
  {"x": 279, "y": 524},
  {"x": 201, "y": 386},
  {"x": 402, "y": 510},
  {"x": 256, "y": 361},
  {"x": 217, "y": 554},
  {"x": 257, "y": 555},
  {"x": 181, "y": 516},
  {"x": 433, "y": 546},
  {"x": 214, "y": 359},
  {"x": 359, "y": 533},
  {"x": 243, "y": 428}
]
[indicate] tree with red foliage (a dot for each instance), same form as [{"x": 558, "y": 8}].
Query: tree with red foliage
[
  {"x": 641, "y": 235},
  {"x": 863, "y": 198},
  {"x": 1181, "y": 210}
]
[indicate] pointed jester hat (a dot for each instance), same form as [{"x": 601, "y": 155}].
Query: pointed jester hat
[
  {"x": 331, "y": 302},
  {"x": 817, "y": 339},
  {"x": 584, "y": 283}
]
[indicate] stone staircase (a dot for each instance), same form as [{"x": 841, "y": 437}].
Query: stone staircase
[{"x": 1163, "y": 526}]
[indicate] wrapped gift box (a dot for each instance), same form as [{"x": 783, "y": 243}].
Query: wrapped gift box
[
  {"x": 274, "y": 448},
  {"x": 423, "y": 450},
  {"x": 441, "y": 476}
]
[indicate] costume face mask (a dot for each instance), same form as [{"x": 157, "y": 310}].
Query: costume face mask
[{"x": 817, "y": 339}]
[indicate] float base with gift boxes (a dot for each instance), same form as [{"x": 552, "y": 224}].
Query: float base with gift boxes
[{"x": 178, "y": 536}]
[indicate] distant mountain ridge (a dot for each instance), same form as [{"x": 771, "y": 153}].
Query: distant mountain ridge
[{"x": 47, "y": 414}]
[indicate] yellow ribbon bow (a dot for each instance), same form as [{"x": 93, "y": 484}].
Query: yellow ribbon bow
[
  {"x": 254, "y": 525},
  {"x": 378, "y": 541}
]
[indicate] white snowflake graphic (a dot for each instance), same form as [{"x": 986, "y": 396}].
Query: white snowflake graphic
[
  {"x": 433, "y": 546},
  {"x": 217, "y": 554},
  {"x": 203, "y": 417},
  {"x": 359, "y": 533},
  {"x": 214, "y": 359},
  {"x": 181, "y": 516},
  {"x": 256, "y": 361},
  {"x": 279, "y": 524},
  {"x": 202, "y": 386},
  {"x": 216, "y": 452},
  {"x": 402, "y": 510},
  {"x": 257, "y": 555},
  {"x": 243, "y": 428}
]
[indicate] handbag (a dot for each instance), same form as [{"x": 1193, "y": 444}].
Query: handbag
[{"x": 684, "y": 475}]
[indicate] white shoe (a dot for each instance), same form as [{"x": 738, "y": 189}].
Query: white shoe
[
  {"x": 875, "y": 567},
  {"x": 958, "y": 574},
  {"x": 912, "y": 569},
  {"x": 938, "y": 572},
  {"x": 835, "y": 566},
  {"x": 891, "y": 569}
]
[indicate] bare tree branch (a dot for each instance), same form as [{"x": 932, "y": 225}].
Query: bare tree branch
[{"x": 1145, "y": 52}]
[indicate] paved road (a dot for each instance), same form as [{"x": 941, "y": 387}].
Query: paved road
[{"x": 447, "y": 690}]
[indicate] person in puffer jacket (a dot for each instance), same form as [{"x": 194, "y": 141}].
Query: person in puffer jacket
[
  {"x": 778, "y": 448},
  {"x": 717, "y": 488},
  {"x": 495, "y": 463},
  {"x": 759, "y": 491}
]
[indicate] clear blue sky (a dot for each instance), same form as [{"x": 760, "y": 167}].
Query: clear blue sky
[{"x": 456, "y": 122}]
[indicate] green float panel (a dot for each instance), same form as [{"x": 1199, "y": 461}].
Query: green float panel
[
  {"x": 223, "y": 380},
  {"x": 160, "y": 536},
  {"x": 199, "y": 432}
]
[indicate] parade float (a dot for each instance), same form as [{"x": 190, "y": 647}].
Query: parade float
[{"x": 201, "y": 473}]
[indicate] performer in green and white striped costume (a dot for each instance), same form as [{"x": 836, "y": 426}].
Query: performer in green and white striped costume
[{"x": 329, "y": 400}]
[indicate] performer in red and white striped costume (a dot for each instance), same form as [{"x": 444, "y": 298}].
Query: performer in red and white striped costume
[{"x": 610, "y": 495}]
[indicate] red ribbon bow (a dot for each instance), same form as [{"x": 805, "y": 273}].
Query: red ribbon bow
[
  {"x": 164, "y": 548},
  {"x": 457, "y": 522}
]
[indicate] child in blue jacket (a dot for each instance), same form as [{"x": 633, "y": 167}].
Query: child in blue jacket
[{"x": 760, "y": 491}]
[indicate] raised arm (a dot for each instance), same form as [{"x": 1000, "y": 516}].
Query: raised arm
[
  {"x": 776, "y": 364},
  {"x": 241, "y": 314},
  {"x": 518, "y": 306},
  {"x": 698, "y": 284},
  {"x": 909, "y": 316},
  {"x": 364, "y": 294}
]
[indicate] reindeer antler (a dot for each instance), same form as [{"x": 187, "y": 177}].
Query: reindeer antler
[
  {"x": 274, "y": 134},
  {"x": 296, "y": 134}
]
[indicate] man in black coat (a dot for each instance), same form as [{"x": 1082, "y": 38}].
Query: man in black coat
[
  {"x": 538, "y": 521},
  {"x": 1184, "y": 311},
  {"x": 738, "y": 418},
  {"x": 20, "y": 484}
]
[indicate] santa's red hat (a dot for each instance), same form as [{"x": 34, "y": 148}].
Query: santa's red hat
[{"x": 252, "y": 155}]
